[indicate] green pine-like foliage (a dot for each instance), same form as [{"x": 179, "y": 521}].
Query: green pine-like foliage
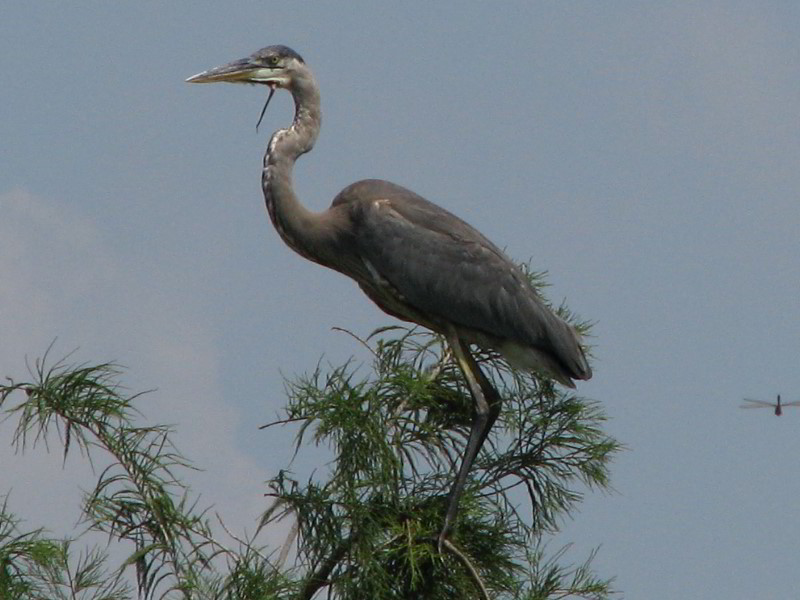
[{"x": 365, "y": 526}]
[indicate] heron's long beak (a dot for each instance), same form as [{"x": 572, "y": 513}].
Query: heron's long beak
[{"x": 244, "y": 70}]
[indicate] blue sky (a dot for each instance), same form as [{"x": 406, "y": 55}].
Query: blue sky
[{"x": 646, "y": 156}]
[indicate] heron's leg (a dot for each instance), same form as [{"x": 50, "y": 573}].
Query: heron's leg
[{"x": 487, "y": 409}]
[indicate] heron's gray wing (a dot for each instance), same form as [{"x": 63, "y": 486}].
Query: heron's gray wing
[{"x": 444, "y": 268}]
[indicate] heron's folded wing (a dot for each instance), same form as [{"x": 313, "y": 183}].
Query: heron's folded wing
[{"x": 445, "y": 268}]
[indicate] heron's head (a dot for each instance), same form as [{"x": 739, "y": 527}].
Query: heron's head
[{"x": 274, "y": 66}]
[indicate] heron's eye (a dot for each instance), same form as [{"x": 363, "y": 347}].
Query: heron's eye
[{"x": 272, "y": 61}]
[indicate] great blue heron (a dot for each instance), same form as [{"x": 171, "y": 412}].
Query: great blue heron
[
  {"x": 776, "y": 405},
  {"x": 415, "y": 260}
]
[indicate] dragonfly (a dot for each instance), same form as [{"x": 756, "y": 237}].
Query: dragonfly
[{"x": 777, "y": 406}]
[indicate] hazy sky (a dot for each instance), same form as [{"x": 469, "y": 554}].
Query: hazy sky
[{"x": 647, "y": 157}]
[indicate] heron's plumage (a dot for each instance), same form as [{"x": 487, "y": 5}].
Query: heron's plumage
[{"x": 450, "y": 273}]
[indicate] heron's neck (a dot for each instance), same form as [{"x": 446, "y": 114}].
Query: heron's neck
[{"x": 296, "y": 225}]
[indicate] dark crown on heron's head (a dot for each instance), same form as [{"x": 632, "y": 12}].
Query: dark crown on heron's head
[{"x": 278, "y": 50}]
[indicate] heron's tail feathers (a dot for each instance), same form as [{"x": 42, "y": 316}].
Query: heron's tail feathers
[{"x": 562, "y": 357}]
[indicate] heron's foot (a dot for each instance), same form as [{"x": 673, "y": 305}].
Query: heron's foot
[
  {"x": 441, "y": 540},
  {"x": 446, "y": 528},
  {"x": 445, "y": 544}
]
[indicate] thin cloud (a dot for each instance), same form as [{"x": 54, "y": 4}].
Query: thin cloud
[{"x": 63, "y": 278}]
